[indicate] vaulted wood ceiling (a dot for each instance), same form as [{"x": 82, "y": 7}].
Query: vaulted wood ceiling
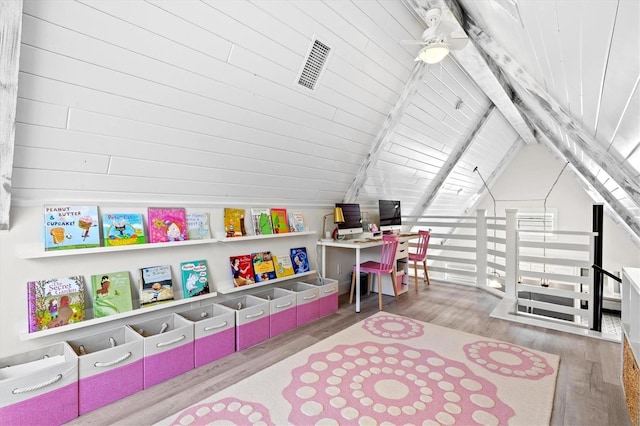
[{"x": 197, "y": 101}]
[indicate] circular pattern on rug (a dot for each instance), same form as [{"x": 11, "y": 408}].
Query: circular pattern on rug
[
  {"x": 508, "y": 360},
  {"x": 227, "y": 411},
  {"x": 393, "y": 327},
  {"x": 373, "y": 383}
]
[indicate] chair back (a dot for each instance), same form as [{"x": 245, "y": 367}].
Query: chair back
[
  {"x": 423, "y": 244},
  {"x": 388, "y": 256}
]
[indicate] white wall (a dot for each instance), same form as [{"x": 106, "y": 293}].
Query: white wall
[
  {"x": 26, "y": 233},
  {"x": 527, "y": 180}
]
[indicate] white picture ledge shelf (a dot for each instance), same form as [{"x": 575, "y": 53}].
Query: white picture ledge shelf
[
  {"x": 128, "y": 314},
  {"x": 227, "y": 287},
  {"x": 35, "y": 251},
  {"x": 263, "y": 237}
]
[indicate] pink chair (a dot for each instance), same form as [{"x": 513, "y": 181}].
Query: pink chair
[
  {"x": 421, "y": 256},
  {"x": 385, "y": 266}
]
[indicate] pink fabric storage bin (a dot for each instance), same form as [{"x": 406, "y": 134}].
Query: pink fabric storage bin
[
  {"x": 214, "y": 332},
  {"x": 39, "y": 387},
  {"x": 166, "y": 354},
  {"x": 307, "y": 297},
  {"x": 282, "y": 310},
  {"x": 252, "y": 320},
  {"x": 328, "y": 292},
  {"x": 110, "y": 369}
]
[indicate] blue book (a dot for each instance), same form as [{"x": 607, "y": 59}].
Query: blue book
[
  {"x": 71, "y": 227},
  {"x": 300, "y": 260}
]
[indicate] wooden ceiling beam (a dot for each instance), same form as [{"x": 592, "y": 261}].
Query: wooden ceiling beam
[
  {"x": 11, "y": 30},
  {"x": 555, "y": 115},
  {"x": 388, "y": 129}
]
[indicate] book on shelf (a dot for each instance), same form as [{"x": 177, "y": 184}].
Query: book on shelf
[
  {"x": 198, "y": 226},
  {"x": 261, "y": 219},
  {"x": 283, "y": 265},
  {"x": 300, "y": 260},
  {"x": 234, "y": 225},
  {"x": 111, "y": 293},
  {"x": 71, "y": 227},
  {"x": 55, "y": 302},
  {"x": 121, "y": 229},
  {"x": 167, "y": 224},
  {"x": 296, "y": 222},
  {"x": 279, "y": 221},
  {"x": 195, "y": 278},
  {"x": 155, "y": 285},
  {"x": 263, "y": 267},
  {"x": 242, "y": 270}
]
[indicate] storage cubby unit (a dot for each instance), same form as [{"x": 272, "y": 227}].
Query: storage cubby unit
[{"x": 631, "y": 341}]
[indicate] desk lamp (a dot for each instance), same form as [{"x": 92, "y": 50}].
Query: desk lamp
[{"x": 338, "y": 217}]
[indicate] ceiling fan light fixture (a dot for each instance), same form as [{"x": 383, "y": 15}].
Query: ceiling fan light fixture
[{"x": 433, "y": 53}]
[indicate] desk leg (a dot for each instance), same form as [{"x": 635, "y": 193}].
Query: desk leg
[
  {"x": 324, "y": 261},
  {"x": 357, "y": 272}
]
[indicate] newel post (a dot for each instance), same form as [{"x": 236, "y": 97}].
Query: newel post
[
  {"x": 511, "y": 255},
  {"x": 481, "y": 247}
]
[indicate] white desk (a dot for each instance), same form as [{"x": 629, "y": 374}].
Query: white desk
[{"x": 358, "y": 245}]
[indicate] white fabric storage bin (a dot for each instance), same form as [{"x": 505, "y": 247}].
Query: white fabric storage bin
[
  {"x": 167, "y": 353},
  {"x": 282, "y": 309},
  {"x": 328, "y": 295},
  {"x": 307, "y": 297},
  {"x": 252, "y": 320},
  {"x": 110, "y": 367},
  {"x": 39, "y": 387},
  {"x": 214, "y": 332}
]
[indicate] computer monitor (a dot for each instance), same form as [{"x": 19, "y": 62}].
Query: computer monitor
[
  {"x": 352, "y": 219},
  {"x": 390, "y": 215}
]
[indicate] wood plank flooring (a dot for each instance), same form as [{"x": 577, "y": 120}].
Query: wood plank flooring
[{"x": 588, "y": 389}]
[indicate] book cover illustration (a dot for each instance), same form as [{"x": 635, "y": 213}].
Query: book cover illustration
[
  {"x": 121, "y": 229},
  {"x": 296, "y": 222},
  {"x": 279, "y": 221},
  {"x": 300, "y": 260},
  {"x": 198, "y": 226},
  {"x": 55, "y": 302},
  {"x": 167, "y": 224},
  {"x": 195, "y": 278},
  {"x": 261, "y": 221},
  {"x": 242, "y": 270},
  {"x": 263, "y": 267},
  {"x": 155, "y": 285},
  {"x": 283, "y": 265},
  {"x": 234, "y": 225},
  {"x": 111, "y": 293},
  {"x": 70, "y": 227}
]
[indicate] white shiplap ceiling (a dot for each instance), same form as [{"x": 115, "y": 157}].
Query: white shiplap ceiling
[{"x": 196, "y": 102}]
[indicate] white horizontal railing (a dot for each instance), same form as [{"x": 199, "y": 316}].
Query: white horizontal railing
[{"x": 490, "y": 253}]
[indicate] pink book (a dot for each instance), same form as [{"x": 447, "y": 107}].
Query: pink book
[{"x": 167, "y": 224}]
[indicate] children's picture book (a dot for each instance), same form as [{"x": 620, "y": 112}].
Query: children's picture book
[
  {"x": 283, "y": 265},
  {"x": 261, "y": 219},
  {"x": 121, "y": 229},
  {"x": 242, "y": 270},
  {"x": 279, "y": 221},
  {"x": 155, "y": 285},
  {"x": 234, "y": 225},
  {"x": 195, "y": 278},
  {"x": 300, "y": 260},
  {"x": 55, "y": 302},
  {"x": 71, "y": 227},
  {"x": 296, "y": 222},
  {"x": 167, "y": 224},
  {"x": 198, "y": 226},
  {"x": 263, "y": 267},
  {"x": 111, "y": 293}
]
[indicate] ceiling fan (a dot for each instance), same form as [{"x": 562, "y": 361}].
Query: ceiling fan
[{"x": 438, "y": 39}]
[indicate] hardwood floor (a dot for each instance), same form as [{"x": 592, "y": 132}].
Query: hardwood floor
[{"x": 588, "y": 390}]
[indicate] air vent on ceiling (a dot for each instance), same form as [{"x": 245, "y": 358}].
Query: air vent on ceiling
[
  {"x": 314, "y": 65},
  {"x": 511, "y": 7}
]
